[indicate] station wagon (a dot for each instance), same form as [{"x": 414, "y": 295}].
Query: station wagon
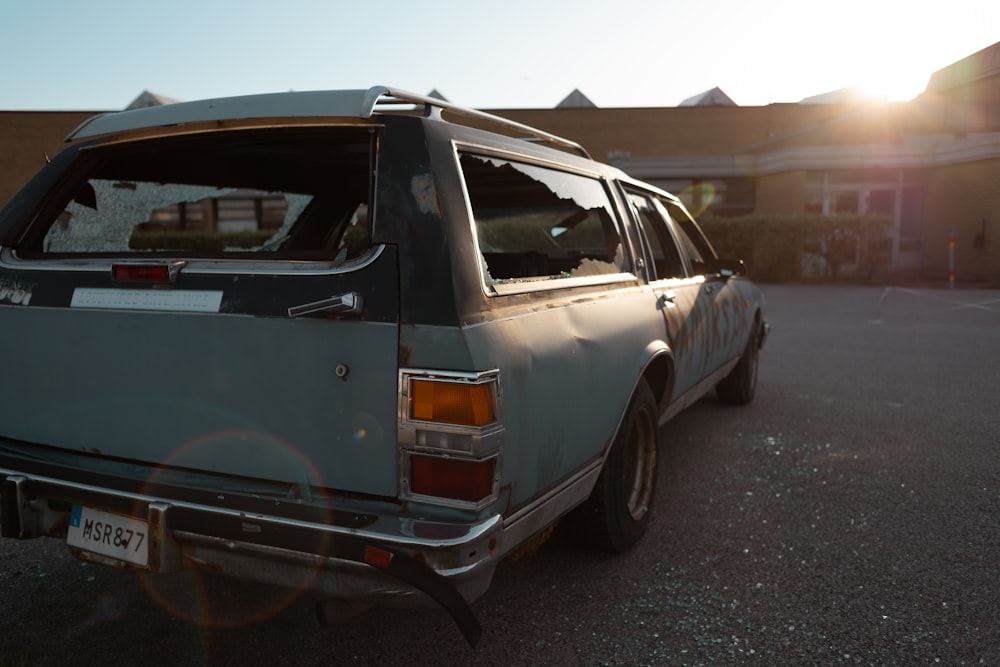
[{"x": 366, "y": 342}]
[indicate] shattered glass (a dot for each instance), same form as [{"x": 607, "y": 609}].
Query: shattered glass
[
  {"x": 536, "y": 223},
  {"x": 286, "y": 194},
  {"x": 106, "y": 220}
]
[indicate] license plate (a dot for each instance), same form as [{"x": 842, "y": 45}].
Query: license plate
[{"x": 123, "y": 537}]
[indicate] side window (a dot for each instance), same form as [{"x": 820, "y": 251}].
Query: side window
[
  {"x": 698, "y": 249},
  {"x": 535, "y": 223},
  {"x": 666, "y": 257}
]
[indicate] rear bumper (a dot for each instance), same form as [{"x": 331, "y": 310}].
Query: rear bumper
[{"x": 343, "y": 554}]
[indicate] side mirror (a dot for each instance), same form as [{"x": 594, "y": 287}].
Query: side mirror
[{"x": 726, "y": 268}]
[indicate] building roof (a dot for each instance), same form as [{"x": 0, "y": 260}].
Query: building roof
[
  {"x": 979, "y": 65},
  {"x": 147, "y": 99},
  {"x": 710, "y": 98},
  {"x": 576, "y": 100},
  {"x": 849, "y": 95}
]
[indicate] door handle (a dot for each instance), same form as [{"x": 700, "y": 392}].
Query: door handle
[
  {"x": 342, "y": 303},
  {"x": 667, "y": 298}
]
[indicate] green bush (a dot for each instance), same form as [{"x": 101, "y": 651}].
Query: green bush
[{"x": 776, "y": 248}]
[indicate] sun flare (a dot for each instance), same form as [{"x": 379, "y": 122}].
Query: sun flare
[{"x": 892, "y": 86}]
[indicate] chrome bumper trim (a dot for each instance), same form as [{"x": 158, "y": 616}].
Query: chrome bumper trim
[{"x": 465, "y": 555}]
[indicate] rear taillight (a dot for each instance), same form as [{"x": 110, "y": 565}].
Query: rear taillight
[
  {"x": 146, "y": 273},
  {"x": 458, "y": 479},
  {"x": 450, "y": 436},
  {"x": 458, "y": 403}
]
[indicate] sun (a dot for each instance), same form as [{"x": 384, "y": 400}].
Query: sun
[
  {"x": 891, "y": 85},
  {"x": 897, "y": 70},
  {"x": 887, "y": 77}
]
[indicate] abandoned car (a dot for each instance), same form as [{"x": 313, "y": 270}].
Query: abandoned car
[{"x": 365, "y": 341}]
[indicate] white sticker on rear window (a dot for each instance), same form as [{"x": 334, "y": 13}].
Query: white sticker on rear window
[{"x": 197, "y": 301}]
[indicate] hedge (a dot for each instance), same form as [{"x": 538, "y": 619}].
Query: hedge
[{"x": 794, "y": 247}]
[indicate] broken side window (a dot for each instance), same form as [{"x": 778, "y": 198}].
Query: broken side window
[{"x": 535, "y": 223}]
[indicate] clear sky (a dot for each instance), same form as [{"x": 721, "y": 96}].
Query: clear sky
[{"x": 101, "y": 54}]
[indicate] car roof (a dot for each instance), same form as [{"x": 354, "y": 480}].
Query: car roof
[
  {"x": 274, "y": 105},
  {"x": 355, "y": 104}
]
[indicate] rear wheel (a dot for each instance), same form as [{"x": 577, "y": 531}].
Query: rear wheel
[
  {"x": 617, "y": 513},
  {"x": 739, "y": 387}
]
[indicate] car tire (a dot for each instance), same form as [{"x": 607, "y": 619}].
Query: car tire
[
  {"x": 617, "y": 513},
  {"x": 739, "y": 387}
]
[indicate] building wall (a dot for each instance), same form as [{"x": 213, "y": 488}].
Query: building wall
[
  {"x": 674, "y": 131},
  {"x": 779, "y": 194},
  {"x": 25, "y": 138},
  {"x": 759, "y": 157},
  {"x": 964, "y": 198}
]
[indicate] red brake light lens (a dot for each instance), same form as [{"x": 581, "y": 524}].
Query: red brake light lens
[
  {"x": 140, "y": 273},
  {"x": 458, "y": 479}
]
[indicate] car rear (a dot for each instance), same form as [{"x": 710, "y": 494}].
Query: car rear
[{"x": 202, "y": 326}]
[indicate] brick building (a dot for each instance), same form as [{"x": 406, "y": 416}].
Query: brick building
[{"x": 931, "y": 164}]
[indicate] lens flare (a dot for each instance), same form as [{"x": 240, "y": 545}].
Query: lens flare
[
  {"x": 367, "y": 430},
  {"x": 195, "y": 593},
  {"x": 697, "y": 197}
]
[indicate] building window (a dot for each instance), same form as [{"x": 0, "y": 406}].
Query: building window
[{"x": 897, "y": 193}]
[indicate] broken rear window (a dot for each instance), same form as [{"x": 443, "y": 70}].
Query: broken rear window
[
  {"x": 535, "y": 223},
  {"x": 280, "y": 194}
]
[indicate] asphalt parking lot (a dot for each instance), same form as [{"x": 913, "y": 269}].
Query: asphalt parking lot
[{"x": 848, "y": 516}]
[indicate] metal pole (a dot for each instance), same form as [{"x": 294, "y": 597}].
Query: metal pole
[{"x": 951, "y": 257}]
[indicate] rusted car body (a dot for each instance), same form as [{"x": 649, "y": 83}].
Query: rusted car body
[{"x": 365, "y": 340}]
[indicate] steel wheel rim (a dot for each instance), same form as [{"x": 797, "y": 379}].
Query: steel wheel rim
[{"x": 641, "y": 463}]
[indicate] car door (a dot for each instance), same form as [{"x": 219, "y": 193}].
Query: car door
[
  {"x": 718, "y": 301},
  {"x": 677, "y": 293}
]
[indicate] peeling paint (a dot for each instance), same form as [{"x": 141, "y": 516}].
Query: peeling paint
[{"x": 422, "y": 187}]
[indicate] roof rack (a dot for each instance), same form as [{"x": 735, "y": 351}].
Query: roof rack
[
  {"x": 308, "y": 104},
  {"x": 379, "y": 98}
]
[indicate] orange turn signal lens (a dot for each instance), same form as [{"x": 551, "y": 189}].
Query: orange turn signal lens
[
  {"x": 458, "y": 479},
  {"x": 460, "y": 403}
]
